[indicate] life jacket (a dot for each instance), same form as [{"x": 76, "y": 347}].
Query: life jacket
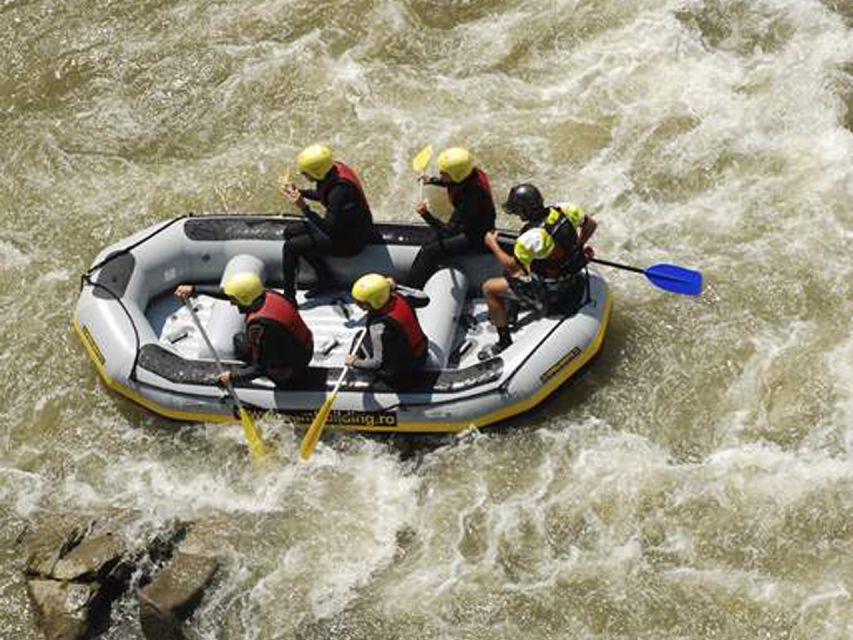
[
  {"x": 283, "y": 312},
  {"x": 567, "y": 258},
  {"x": 477, "y": 177},
  {"x": 400, "y": 319},
  {"x": 341, "y": 173},
  {"x": 475, "y": 223}
]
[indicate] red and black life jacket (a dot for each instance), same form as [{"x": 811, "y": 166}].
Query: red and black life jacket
[
  {"x": 341, "y": 173},
  {"x": 477, "y": 177},
  {"x": 473, "y": 206},
  {"x": 281, "y": 312},
  {"x": 400, "y": 320}
]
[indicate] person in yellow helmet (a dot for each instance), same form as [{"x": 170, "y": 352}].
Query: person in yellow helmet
[
  {"x": 277, "y": 343},
  {"x": 473, "y": 214},
  {"x": 345, "y": 229},
  {"x": 395, "y": 342},
  {"x": 545, "y": 265}
]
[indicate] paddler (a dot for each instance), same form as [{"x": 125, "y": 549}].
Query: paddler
[
  {"x": 395, "y": 343},
  {"x": 473, "y": 214},
  {"x": 548, "y": 256},
  {"x": 345, "y": 229},
  {"x": 276, "y": 343}
]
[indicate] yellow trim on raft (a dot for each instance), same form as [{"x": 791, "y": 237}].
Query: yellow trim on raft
[
  {"x": 503, "y": 413},
  {"x": 517, "y": 407},
  {"x": 130, "y": 394}
]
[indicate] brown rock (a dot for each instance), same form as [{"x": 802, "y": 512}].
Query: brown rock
[
  {"x": 48, "y": 544},
  {"x": 173, "y": 595},
  {"x": 157, "y": 623},
  {"x": 92, "y": 559},
  {"x": 63, "y": 609}
]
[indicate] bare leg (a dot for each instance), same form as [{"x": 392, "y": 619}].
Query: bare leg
[{"x": 494, "y": 289}]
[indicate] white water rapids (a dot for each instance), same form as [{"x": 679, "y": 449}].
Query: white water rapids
[{"x": 696, "y": 481}]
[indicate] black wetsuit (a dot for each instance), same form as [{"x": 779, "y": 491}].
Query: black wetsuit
[
  {"x": 473, "y": 216},
  {"x": 343, "y": 231}
]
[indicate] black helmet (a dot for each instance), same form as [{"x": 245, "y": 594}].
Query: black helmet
[{"x": 524, "y": 200}]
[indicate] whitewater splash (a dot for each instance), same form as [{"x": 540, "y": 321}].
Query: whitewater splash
[{"x": 693, "y": 482}]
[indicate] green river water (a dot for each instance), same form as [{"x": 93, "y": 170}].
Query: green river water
[{"x": 695, "y": 482}]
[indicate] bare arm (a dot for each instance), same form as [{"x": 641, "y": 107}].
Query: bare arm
[
  {"x": 507, "y": 261},
  {"x": 588, "y": 227}
]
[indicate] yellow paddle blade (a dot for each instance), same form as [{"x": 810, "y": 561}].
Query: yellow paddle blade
[
  {"x": 309, "y": 442},
  {"x": 420, "y": 161},
  {"x": 253, "y": 436}
]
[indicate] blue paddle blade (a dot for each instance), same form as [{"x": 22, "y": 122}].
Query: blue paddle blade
[{"x": 674, "y": 278}]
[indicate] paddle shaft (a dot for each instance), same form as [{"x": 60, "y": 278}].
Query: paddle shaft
[
  {"x": 617, "y": 265},
  {"x": 419, "y": 164},
  {"x": 347, "y": 367},
  {"x": 209, "y": 344},
  {"x": 669, "y": 277},
  {"x": 312, "y": 436}
]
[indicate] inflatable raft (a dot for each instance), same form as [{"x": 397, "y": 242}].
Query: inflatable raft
[{"x": 144, "y": 345}]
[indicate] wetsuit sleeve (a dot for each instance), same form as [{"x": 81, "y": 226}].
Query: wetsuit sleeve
[
  {"x": 471, "y": 214},
  {"x": 342, "y": 212},
  {"x": 415, "y": 297},
  {"x": 310, "y": 194},
  {"x": 374, "y": 362},
  {"x": 435, "y": 223},
  {"x": 212, "y": 290},
  {"x": 315, "y": 218},
  {"x": 245, "y": 372},
  {"x": 255, "y": 333}
]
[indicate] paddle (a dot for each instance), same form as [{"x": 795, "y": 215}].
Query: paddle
[
  {"x": 283, "y": 180},
  {"x": 420, "y": 162},
  {"x": 250, "y": 431},
  {"x": 665, "y": 276},
  {"x": 309, "y": 442}
]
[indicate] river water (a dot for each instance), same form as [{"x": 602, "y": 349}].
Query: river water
[{"x": 696, "y": 481}]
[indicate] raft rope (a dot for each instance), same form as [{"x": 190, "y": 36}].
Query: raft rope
[
  {"x": 86, "y": 278},
  {"x": 130, "y": 248}
]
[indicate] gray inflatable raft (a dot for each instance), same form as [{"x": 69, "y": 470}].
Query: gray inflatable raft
[{"x": 145, "y": 346}]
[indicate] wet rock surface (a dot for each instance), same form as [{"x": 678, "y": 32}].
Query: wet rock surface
[
  {"x": 76, "y": 569},
  {"x": 65, "y": 610},
  {"x": 74, "y": 572},
  {"x": 174, "y": 594}
]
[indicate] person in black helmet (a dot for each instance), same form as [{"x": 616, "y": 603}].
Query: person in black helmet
[{"x": 547, "y": 257}]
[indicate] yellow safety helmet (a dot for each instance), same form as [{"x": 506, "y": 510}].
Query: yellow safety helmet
[
  {"x": 245, "y": 288},
  {"x": 533, "y": 244},
  {"x": 373, "y": 290},
  {"x": 455, "y": 162},
  {"x": 316, "y": 161}
]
